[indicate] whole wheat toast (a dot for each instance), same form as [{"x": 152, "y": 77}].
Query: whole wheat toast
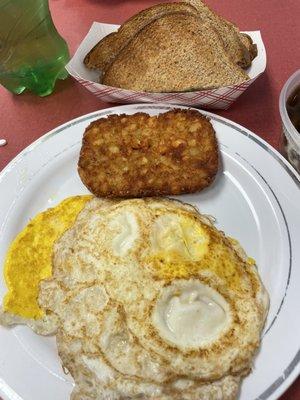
[
  {"x": 107, "y": 49},
  {"x": 95, "y": 57},
  {"x": 238, "y": 45},
  {"x": 176, "y": 52}
]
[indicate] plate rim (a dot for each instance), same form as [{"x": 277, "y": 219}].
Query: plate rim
[{"x": 291, "y": 372}]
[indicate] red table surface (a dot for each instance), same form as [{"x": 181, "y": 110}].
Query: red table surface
[{"x": 26, "y": 117}]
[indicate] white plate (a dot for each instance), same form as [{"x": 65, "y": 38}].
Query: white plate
[{"x": 255, "y": 199}]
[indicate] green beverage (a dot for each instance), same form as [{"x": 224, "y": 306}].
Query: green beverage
[{"x": 32, "y": 53}]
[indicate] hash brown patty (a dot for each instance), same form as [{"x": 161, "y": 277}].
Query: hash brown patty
[{"x": 138, "y": 155}]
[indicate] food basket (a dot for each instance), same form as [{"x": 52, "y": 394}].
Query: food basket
[{"x": 220, "y": 98}]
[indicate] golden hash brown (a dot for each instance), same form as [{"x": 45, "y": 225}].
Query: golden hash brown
[{"x": 138, "y": 155}]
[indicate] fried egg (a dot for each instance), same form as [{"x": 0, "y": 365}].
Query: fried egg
[
  {"x": 29, "y": 261},
  {"x": 151, "y": 300}
]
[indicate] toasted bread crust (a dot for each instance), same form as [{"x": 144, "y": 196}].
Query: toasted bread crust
[
  {"x": 138, "y": 155},
  {"x": 248, "y": 43}
]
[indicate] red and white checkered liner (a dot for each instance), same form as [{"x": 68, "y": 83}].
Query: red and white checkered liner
[{"x": 220, "y": 98}]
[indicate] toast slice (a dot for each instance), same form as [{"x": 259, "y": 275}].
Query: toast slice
[
  {"x": 239, "y": 47},
  {"x": 177, "y": 52},
  {"x": 106, "y": 50},
  {"x": 94, "y": 58}
]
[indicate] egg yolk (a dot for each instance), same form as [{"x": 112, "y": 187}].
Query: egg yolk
[
  {"x": 180, "y": 239},
  {"x": 183, "y": 246},
  {"x": 29, "y": 257}
]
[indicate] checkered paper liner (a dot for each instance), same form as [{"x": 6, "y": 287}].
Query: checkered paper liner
[{"x": 220, "y": 98}]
